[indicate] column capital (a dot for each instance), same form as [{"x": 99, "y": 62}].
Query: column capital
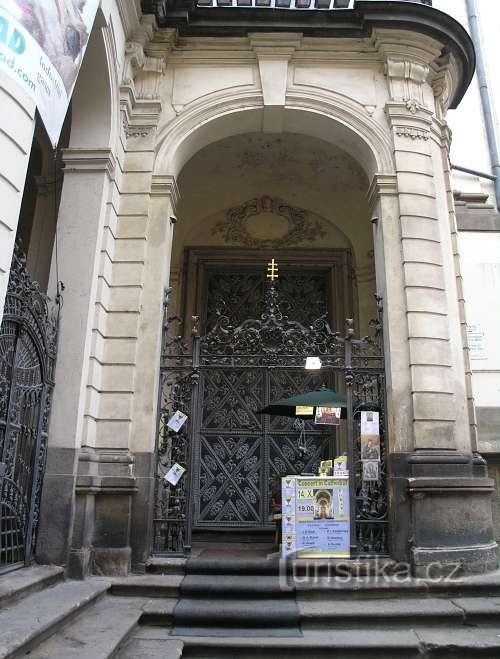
[
  {"x": 165, "y": 185},
  {"x": 381, "y": 185},
  {"x": 89, "y": 160}
]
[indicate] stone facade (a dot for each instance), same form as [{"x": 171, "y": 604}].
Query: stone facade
[{"x": 167, "y": 97}]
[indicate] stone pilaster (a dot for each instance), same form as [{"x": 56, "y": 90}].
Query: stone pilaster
[
  {"x": 161, "y": 222},
  {"x": 443, "y": 511}
]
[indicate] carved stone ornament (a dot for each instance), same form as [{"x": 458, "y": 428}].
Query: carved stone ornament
[
  {"x": 412, "y": 132},
  {"x": 238, "y": 227}
]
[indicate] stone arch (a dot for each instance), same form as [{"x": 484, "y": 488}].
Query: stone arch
[
  {"x": 93, "y": 105},
  {"x": 333, "y": 118}
]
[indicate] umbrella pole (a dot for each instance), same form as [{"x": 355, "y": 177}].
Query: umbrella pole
[{"x": 350, "y": 445}]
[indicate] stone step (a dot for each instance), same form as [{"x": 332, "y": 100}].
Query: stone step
[
  {"x": 159, "y": 611},
  {"x": 149, "y": 585},
  {"x": 234, "y": 585},
  {"x": 242, "y": 613},
  {"x": 253, "y": 566},
  {"x": 428, "y": 643},
  {"x": 14, "y": 586},
  {"x": 26, "y": 623},
  {"x": 152, "y": 649},
  {"x": 165, "y": 565},
  {"x": 487, "y": 585},
  {"x": 95, "y": 634},
  {"x": 359, "y": 644},
  {"x": 385, "y": 613}
]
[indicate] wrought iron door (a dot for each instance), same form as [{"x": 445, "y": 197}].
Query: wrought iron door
[
  {"x": 27, "y": 356},
  {"x": 231, "y": 453},
  {"x": 238, "y": 452}
]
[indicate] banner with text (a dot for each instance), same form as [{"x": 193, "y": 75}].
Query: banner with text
[{"x": 42, "y": 45}]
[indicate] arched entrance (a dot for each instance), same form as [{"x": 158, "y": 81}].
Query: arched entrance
[{"x": 244, "y": 200}]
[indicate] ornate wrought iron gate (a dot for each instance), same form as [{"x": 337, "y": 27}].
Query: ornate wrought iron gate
[
  {"x": 27, "y": 357},
  {"x": 231, "y": 453}
]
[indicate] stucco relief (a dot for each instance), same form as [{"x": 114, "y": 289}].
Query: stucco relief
[{"x": 288, "y": 225}]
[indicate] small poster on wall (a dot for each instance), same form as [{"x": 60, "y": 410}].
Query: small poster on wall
[
  {"x": 176, "y": 421},
  {"x": 370, "y": 470},
  {"x": 477, "y": 341},
  {"x": 370, "y": 436},
  {"x": 174, "y": 474},
  {"x": 328, "y": 416}
]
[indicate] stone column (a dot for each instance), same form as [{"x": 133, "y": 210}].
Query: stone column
[
  {"x": 442, "y": 499},
  {"x": 17, "y": 119},
  {"x": 80, "y": 230}
]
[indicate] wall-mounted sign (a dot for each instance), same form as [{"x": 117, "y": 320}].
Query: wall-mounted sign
[
  {"x": 477, "y": 341},
  {"x": 42, "y": 44},
  {"x": 315, "y": 517}
]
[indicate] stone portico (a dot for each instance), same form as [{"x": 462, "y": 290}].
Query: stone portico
[{"x": 374, "y": 88}]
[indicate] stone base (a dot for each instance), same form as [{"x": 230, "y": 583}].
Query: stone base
[
  {"x": 442, "y": 513},
  {"x": 80, "y": 563},
  {"x": 437, "y": 563},
  {"x": 111, "y": 562}
]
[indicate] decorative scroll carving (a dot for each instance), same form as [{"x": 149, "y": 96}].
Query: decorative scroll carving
[
  {"x": 406, "y": 79},
  {"x": 236, "y": 228}
]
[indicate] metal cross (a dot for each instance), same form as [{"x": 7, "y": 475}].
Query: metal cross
[{"x": 272, "y": 270}]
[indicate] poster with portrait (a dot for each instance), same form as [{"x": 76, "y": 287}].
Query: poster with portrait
[
  {"x": 318, "y": 527},
  {"x": 42, "y": 45},
  {"x": 370, "y": 436}
]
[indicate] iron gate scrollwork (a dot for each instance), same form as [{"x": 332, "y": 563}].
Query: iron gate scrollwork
[
  {"x": 249, "y": 364},
  {"x": 28, "y": 336}
]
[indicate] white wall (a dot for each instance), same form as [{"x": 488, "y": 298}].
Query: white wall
[
  {"x": 479, "y": 251},
  {"x": 480, "y": 258}
]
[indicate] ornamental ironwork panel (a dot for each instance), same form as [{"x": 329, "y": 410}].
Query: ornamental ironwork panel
[
  {"x": 229, "y": 481},
  {"x": 28, "y": 336},
  {"x": 232, "y": 454},
  {"x": 302, "y": 296}
]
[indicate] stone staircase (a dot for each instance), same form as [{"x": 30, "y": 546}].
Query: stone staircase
[{"x": 218, "y": 608}]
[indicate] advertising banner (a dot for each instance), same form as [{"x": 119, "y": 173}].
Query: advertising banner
[
  {"x": 42, "y": 44},
  {"x": 315, "y": 516}
]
